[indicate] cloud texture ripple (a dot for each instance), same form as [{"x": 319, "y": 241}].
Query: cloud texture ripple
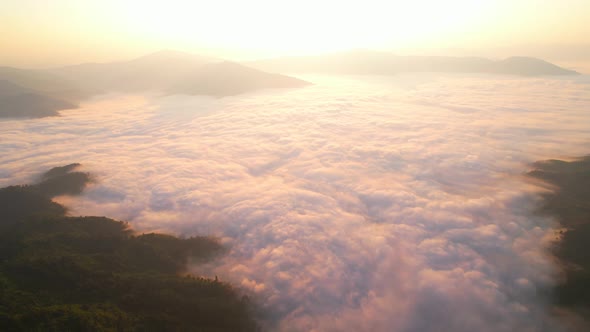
[{"x": 357, "y": 204}]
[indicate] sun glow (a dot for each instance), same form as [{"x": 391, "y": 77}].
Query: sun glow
[
  {"x": 70, "y": 31},
  {"x": 302, "y": 26}
]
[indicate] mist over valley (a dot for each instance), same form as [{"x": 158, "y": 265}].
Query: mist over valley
[{"x": 356, "y": 203}]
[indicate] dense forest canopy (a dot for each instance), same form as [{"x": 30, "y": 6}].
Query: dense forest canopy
[
  {"x": 569, "y": 201},
  {"x": 60, "y": 273}
]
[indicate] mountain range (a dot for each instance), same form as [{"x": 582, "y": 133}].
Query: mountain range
[
  {"x": 362, "y": 62},
  {"x": 173, "y": 72},
  {"x": 39, "y": 93}
]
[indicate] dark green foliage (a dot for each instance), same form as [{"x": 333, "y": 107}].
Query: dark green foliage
[
  {"x": 17, "y": 201},
  {"x": 61, "y": 273},
  {"x": 168, "y": 252},
  {"x": 74, "y": 318},
  {"x": 570, "y": 202},
  {"x": 62, "y": 181},
  {"x": 66, "y": 184},
  {"x": 60, "y": 170}
]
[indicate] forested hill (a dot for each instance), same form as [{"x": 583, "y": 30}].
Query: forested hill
[
  {"x": 60, "y": 273},
  {"x": 569, "y": 202}
]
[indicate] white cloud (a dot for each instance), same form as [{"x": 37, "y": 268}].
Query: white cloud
[{"x": 355, "y": 204}]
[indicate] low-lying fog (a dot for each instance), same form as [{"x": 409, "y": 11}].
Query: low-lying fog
[{"x": 357, "y": 204}]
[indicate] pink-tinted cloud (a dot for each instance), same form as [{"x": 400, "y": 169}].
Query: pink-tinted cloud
[{"x": 356, "y": 204}]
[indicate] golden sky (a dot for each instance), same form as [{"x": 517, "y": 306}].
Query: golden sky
[{"x": 45, "y": 33}]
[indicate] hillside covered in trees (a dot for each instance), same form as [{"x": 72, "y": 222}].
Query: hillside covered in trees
[
  {"x": 569, "y": 202},
  {"x": 60, "y": 273}
]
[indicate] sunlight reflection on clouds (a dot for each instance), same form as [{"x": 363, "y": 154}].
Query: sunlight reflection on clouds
[{"x": 365, "y": 204}]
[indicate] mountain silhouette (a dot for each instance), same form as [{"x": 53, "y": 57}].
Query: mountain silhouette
[
  {"x": 151, "y": 72},
  {"x": 44, "y": 83},
  {"x": 17, "y": 101},
  {"x": 174, "y": 72},
  {"x": 529, "y": 67},
  {"x": 39, "y": 93},
  {"x": 382, "y": 63},
  {"x": 229, "y": 78}
]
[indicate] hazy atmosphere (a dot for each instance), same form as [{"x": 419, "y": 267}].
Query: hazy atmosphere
[
  {"x": 363, "y": 166},
  {"x": 44, "y": 34}
]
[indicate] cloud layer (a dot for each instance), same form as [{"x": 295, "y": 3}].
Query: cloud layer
[{"x": 359, "y": 204}]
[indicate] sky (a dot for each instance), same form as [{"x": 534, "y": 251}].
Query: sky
[
  {"x": 367, "y": 204},
  {"x": 355, "y": 204},
  {"x": 37, "y": 33}
]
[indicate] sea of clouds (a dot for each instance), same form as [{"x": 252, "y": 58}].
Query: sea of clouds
[{"x": 356, "y": 204}]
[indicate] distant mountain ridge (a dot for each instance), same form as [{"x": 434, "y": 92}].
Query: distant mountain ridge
[
  {"x": 17, "y": 101},
  {"x": 38, "y": 93},
  {"x": 382, "y": 63},
  {"x": 154, "y": 71},
  {"x": 175, "y": 73},
  {"x": 230, "y": 78}
]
